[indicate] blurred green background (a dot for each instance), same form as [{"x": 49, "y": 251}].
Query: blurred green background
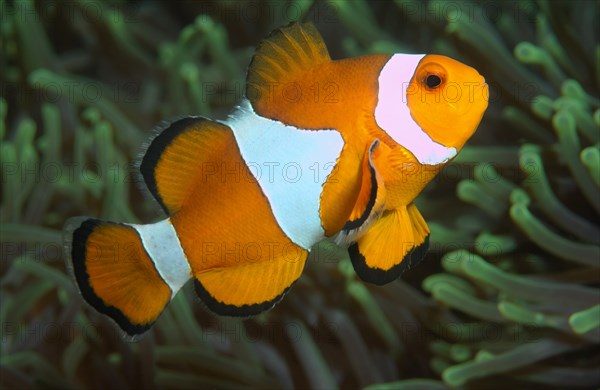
[{"x": 507, "y": 297}]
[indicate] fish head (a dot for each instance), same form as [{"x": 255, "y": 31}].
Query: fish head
[{"x": 447, "y": 99}]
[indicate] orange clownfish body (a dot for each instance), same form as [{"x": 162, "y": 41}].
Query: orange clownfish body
[{"x": 318, "y": 148}]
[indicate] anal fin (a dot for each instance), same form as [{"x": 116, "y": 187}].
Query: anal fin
[
  {"x": 246, "y": 287},
  {"x": 398, "y": 240}
]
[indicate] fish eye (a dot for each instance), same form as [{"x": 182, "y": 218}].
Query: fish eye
[
  {"x": 431, "y": 75},
  {"x": 433, "y": 81}
]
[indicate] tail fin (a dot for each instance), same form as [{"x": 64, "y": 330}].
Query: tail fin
[{"x": 115, "y": 274}]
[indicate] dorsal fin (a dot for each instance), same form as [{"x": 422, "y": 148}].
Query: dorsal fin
[
  {"x": 281, "y": 57},
  {"x": 178, "y": 157}
]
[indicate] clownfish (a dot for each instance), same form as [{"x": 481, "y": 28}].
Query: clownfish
[{"x": 318, "y": 148}]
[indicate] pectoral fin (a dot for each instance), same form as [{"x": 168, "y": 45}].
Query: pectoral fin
[
  {"x": 396, "y": 241},
  {"x": 369, "y": 202}
]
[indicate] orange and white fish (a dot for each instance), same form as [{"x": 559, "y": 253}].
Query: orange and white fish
[{"x": 318, "y": 148}]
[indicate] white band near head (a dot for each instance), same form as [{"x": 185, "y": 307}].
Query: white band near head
[
  {"x": 393, "y": 115},
  {"x": 162, "y": 245}
]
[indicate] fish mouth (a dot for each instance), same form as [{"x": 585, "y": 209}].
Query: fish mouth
[
  {"x": 484, "y": 88},
  {"x": 484, "y": 84}
]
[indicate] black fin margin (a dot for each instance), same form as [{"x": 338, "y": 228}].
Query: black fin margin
[
  {"x": 157, "y": 147},
  {"x": 379, "y": 276},
  {"x": 78, "y": 264},
  {"x": 224, "y": 309}
]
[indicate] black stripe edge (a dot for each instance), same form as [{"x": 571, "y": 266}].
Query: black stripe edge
[
  {"x": 356, "y": 223},
  {"x": 379, "y": 276}
]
